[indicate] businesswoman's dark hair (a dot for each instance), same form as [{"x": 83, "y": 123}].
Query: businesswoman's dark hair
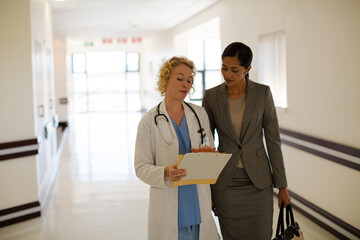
[{"x": 241, "y": 51}]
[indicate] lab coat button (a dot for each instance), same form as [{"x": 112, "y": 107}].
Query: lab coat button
[
  {"x": 174, "y": 230},
  {"x": 174, "y": 206}
]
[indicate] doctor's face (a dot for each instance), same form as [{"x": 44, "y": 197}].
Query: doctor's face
[{"x": 180, "y": 83}]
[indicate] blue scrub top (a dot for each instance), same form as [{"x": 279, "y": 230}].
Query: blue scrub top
[{"x": 188, "y": 199}]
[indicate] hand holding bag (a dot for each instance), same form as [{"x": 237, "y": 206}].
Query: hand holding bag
[{"x": 292, "y": 231}]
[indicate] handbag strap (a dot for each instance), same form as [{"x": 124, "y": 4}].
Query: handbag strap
[
  {"x": 280, "y": 223},
  {"x": 289, "y": 215}
]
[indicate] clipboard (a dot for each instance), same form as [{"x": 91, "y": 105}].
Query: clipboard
[{"x": 201, "y": 168}]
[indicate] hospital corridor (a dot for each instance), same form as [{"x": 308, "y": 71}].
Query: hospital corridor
[
  {"x": 96, "y": 194},
  {"x": 77, "y": 77}
]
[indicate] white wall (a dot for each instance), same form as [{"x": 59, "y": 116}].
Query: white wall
[
  {"x": 41, "y": 31},
  {"x": 161, "y": 46},
  {"x": 323, "y": 59},
  {"x": 44, "y": 94},
  {"x": 16, "y": 119},
  {"x": 157, "y": 49},
  {"x": 323, "y": 55},
  {"x": 22, "y": 22},
  {"x": 61, "y": 85},
  {"x": 18, "y": 180}
]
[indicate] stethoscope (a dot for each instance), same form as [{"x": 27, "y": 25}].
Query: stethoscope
[{"x": 201, "y": 130}]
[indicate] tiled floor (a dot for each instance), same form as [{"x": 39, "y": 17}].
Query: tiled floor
[{"x": 96, "y": 194}]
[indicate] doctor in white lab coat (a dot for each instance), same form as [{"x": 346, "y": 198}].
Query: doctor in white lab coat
[{"x": 157, "y": 150}]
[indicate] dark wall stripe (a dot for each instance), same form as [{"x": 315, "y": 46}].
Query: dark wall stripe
[
  {"x": 326, "y": 215},
  {"x": 320, "y": 223},
  {"x": 18, "y": 155},
  {"x": 19, "y": 219},
  {"x": 323, "y": 155},
  {"x": 19, "y": 208},
  {"x": 335, "y": 146},
  {"x": 18, "y": 143}
]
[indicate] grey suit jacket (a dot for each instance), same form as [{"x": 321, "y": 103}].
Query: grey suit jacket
[{"x": 263, "y": 167}]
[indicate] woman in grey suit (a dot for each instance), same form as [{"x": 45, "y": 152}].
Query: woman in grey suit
[{"x": 242, "y": 111}]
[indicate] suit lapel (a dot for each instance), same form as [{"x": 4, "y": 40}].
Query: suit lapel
[
  {"x": 225, "y": 112},
  {"x": 249, "y": 108}
]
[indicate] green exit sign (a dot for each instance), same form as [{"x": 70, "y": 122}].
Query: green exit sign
[{"x": 88, "y": 44}]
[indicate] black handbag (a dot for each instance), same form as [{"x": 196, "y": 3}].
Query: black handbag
[{"x": 292, "y": 230}]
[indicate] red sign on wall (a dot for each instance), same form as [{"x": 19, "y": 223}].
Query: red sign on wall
[
  {"x": 121, "y": 40},
  {"x": 107, "y": 40},
  {"x": 136, "y": 40}
]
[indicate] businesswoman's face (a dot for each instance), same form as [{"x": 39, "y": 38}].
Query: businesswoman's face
[
  {"x": 233, "y": 72},
  {"x": 180, "y": 83}
]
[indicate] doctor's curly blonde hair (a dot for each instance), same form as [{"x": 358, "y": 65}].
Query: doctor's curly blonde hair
[{"x": 167, "y": 69}]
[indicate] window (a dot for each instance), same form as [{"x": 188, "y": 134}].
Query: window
[
  {"x": 79, "y": 63},
  {"x": 132, "y": 62},
  {"x": 206, "y": 55},
  {"x": 272, "y": 65},
  {"x": 105, "y": 62},
  {"x": 106, "y": 82}
]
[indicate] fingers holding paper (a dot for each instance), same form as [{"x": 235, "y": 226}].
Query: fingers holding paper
[{"x": 173, "y": 173}]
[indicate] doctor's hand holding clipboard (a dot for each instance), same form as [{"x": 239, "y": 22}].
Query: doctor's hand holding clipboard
[{"x": 175, "y": 174}]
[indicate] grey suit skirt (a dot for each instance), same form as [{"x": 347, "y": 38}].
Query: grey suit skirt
[{"x": 245, "y": 212}]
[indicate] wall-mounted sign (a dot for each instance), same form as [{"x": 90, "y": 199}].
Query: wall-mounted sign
[
  {"x": 107, "y": 40},
  {"x": 121, "y": 40},
  {"x": 136, "y": 40},
  {"x": 63, "y": 100},
  {"x": 88, "y": 44}
]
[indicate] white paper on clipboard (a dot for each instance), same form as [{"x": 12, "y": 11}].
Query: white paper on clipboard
[{"x": 202, "y": 168}]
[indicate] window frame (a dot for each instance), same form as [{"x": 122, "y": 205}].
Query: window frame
[
  {"x": 278, "y": 80},
  {"x": 204, "y": 71}
]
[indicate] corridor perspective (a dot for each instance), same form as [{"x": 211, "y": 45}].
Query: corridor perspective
[
  {"x": 77, "y": 76},
  {"x": 96, "y": 194}
]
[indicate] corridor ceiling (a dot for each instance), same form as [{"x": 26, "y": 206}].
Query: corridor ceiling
[{"x": 121, "y": 18}]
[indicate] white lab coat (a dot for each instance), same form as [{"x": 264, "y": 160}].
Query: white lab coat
[{"x": 151, "y": 157}]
